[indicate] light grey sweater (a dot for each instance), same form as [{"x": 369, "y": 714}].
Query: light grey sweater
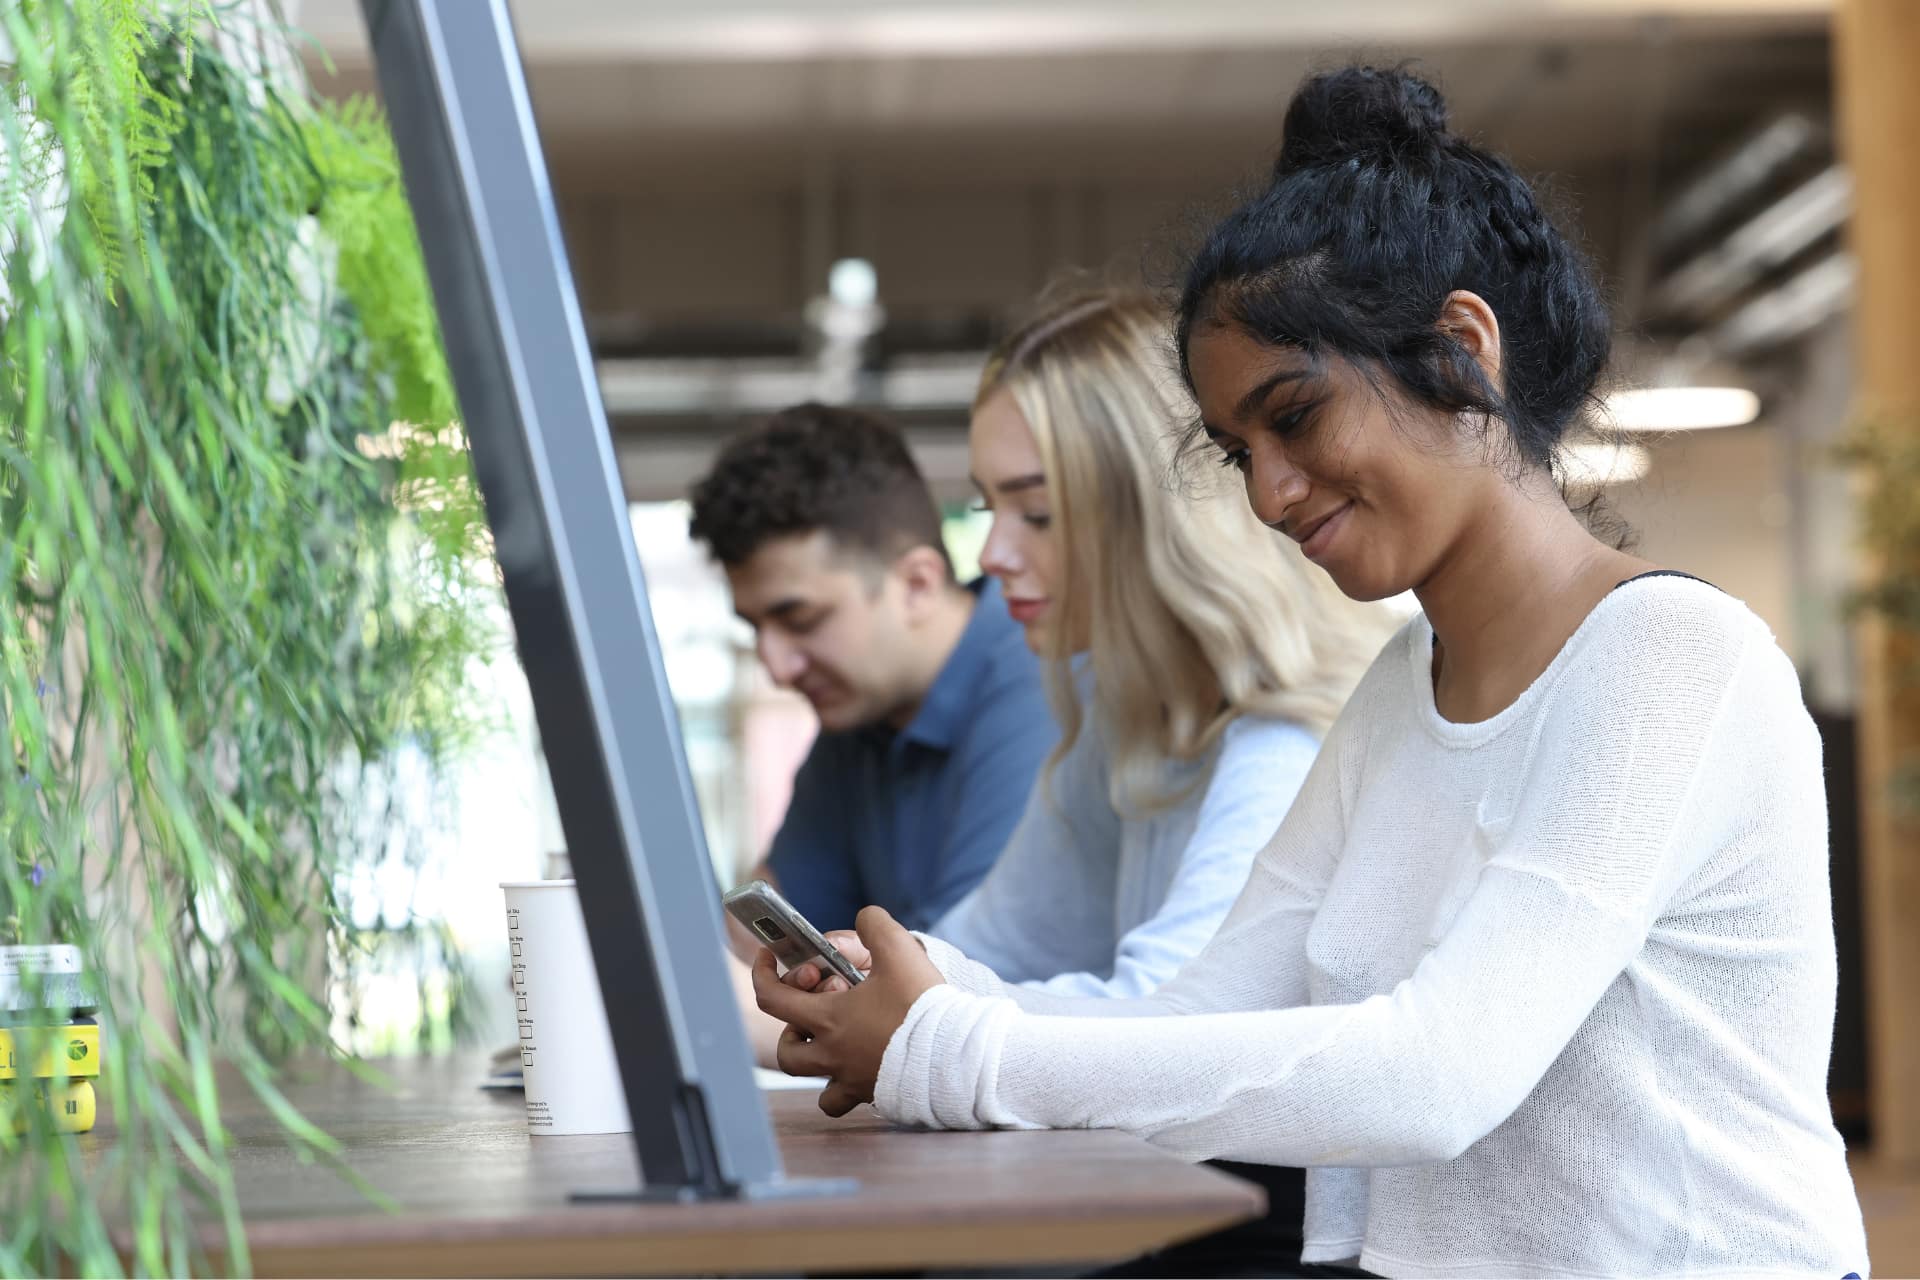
[{"x": 1087, "y": 902}]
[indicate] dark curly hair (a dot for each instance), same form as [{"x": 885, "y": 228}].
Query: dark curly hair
[
  {"x": 816, "y": 467},
  {"x": 1375, "y": 212}
]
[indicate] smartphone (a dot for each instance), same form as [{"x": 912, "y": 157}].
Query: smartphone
[{"x": 772, "y": 919}]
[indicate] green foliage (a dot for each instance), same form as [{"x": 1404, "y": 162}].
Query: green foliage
[
  {"x": 237, "y": 613},
  {"x": 366, "y": 216},
  {"x": 1887, "y": 457},
  {"x": 363, "y": 211},
  {"x": 124, "y": 125}
]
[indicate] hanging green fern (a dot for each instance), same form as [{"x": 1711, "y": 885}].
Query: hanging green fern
[
  {"x": 124, "y": 125},
  {"x": 232, "y": 621}
]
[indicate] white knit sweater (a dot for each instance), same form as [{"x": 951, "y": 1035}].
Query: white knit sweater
[{"x": 1547, "y": 995}]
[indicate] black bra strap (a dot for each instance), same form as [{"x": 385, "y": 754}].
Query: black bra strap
[{"x": 1663, "y": 573}]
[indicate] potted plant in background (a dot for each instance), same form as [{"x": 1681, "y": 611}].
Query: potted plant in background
[
  {"x": 1885, "y": 456},
  {"x": 247, "y": 574}
]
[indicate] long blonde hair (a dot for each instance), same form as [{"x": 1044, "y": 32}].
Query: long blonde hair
[{"x": 1197, "y": 613}]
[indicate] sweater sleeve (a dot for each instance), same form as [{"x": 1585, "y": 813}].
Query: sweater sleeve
[{"x": 1573, "y": 880}]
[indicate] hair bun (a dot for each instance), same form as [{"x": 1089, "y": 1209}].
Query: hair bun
[{"x": 1360, "y": 111}]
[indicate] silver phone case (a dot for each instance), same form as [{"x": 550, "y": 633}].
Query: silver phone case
[{"x": 757, "y": 904}]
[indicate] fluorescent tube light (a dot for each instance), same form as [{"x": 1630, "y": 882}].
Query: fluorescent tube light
[{"x": 1682, "y": 408}]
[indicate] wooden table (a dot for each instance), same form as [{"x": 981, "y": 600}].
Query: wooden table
[{"x": 477, "y": 1196}]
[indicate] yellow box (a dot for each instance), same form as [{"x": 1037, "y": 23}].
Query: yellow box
[{"x": 78, "y": 1042}]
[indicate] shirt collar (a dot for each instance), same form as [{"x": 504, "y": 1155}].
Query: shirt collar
[{"x": 946, "y": 708}]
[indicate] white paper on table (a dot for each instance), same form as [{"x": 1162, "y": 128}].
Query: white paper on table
[{"x": 775, "y": 1081}]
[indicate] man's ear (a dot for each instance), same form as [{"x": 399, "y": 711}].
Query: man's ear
[
  {"x": 925, "y": 577},
  {"x": 1466, "y": 318}
]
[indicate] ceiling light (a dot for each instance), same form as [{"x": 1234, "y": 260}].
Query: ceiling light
[
  {"x": 852, "y": 282},
  {"x": 1682, "y": 408},
  {"x": 1593, "y": 464}
]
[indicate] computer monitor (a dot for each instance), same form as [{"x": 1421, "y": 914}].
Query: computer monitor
[{"x": 456, "y": 97}]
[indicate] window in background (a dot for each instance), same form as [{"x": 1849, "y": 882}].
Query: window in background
[
  {"x": 441, "y": 878},
  {"x": 964, "y": 528}
]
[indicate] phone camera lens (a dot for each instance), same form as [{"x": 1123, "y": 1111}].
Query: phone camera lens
[{"x": 767, "y": 929}]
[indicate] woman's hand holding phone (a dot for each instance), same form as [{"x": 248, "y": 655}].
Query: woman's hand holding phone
[
  {"x": 814, "y": 976},
  {"x": 841, "y": 1032}
]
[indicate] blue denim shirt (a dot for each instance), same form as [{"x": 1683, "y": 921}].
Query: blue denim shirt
[{"x": 913, "y": 819}]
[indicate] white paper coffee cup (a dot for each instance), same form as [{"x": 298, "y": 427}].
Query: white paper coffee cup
[{"x": 566, "y": 1052}]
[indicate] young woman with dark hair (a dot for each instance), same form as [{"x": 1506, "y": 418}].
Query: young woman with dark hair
[{"x": 1537, "y": 976}]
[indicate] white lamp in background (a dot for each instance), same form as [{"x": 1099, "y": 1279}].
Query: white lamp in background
[
  {"x": 844, "y": 319},
  {"x": 1682, "y": 408},
  {"x": 852, "y": 282}
]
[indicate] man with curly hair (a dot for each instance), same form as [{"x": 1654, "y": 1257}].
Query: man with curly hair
[{"x": 933, "y": 718}]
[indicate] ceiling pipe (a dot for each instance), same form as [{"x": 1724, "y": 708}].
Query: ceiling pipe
[
  {"x": 1734, "y": 179},
  {"x": 1796, "y": 306},
  {"x": 1768, "y": 240}
]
